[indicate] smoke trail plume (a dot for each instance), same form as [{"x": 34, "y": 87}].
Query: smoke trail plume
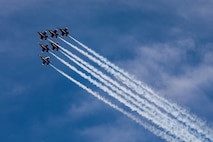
[
  {"x": 169, "y": 126},
  {"x": 182, "y": 115},
  {"x": 143, "y": 104},
  {"x": 152, "y": 129}
]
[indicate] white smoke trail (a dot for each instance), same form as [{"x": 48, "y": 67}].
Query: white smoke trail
[
  {"x": 152, "y": 129},
  {"x": 106, "y": 80},
  {"x": 142, "y": 104},
  {"x": 157, "y": 119},
  {"x": 113, "y": 73},
  {"x": 194, "y": 132},
  {"x": 179, "y": 113},
  {"x": 127, "y": 75}
]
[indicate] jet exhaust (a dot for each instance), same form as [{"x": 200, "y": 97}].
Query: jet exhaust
[{"x": 165, "y": 118}]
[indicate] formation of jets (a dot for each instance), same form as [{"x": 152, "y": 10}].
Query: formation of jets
[
  {"x": 55, "y": 46},
  {"x": 53, "y": 33}
]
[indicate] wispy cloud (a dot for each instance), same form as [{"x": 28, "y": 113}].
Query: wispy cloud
[
  {"x": 179, "y": 70},
  {"x": 116, "y": 131},
  {"x": 10, "y": 6},
  {"x": 196, "y": 9}
]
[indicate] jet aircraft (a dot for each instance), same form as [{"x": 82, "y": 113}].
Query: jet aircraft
[
  {"x": 54, "y": 46},
  {"x": 43, "y": 35},
  {"x": 54, "y": 33},
  {"x": 44, "y": 48},
  {"x": 45, "y": 60},
  {"x": 64, "y": 31}
]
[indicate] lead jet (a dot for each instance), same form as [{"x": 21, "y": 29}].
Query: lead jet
[
  {"x": 44, "y": 48},
  {"x": 45, "y": 60},
  {"x": 54, "y": 46},
  {"x": 54, "y": 33},
  {"x": 43, "y": 35},
  {"x": 64, "y": 31}
]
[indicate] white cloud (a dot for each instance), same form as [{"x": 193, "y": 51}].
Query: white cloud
[
  {"x": 197, "y": 9},
  {"x": 119, "y": 130},
  {"x": 18, "y": 89},
  {"x": 85, "y": 108},
  {"x": 167, "y": 68},
  {"x": 8, "y": 7},
  {"x": 12, "y": 88}
]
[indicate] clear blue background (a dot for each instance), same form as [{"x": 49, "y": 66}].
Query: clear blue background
[{"x": 166, "y": 44}]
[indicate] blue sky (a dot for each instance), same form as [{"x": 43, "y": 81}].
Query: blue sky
[{"x": 168, "y": 45}]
